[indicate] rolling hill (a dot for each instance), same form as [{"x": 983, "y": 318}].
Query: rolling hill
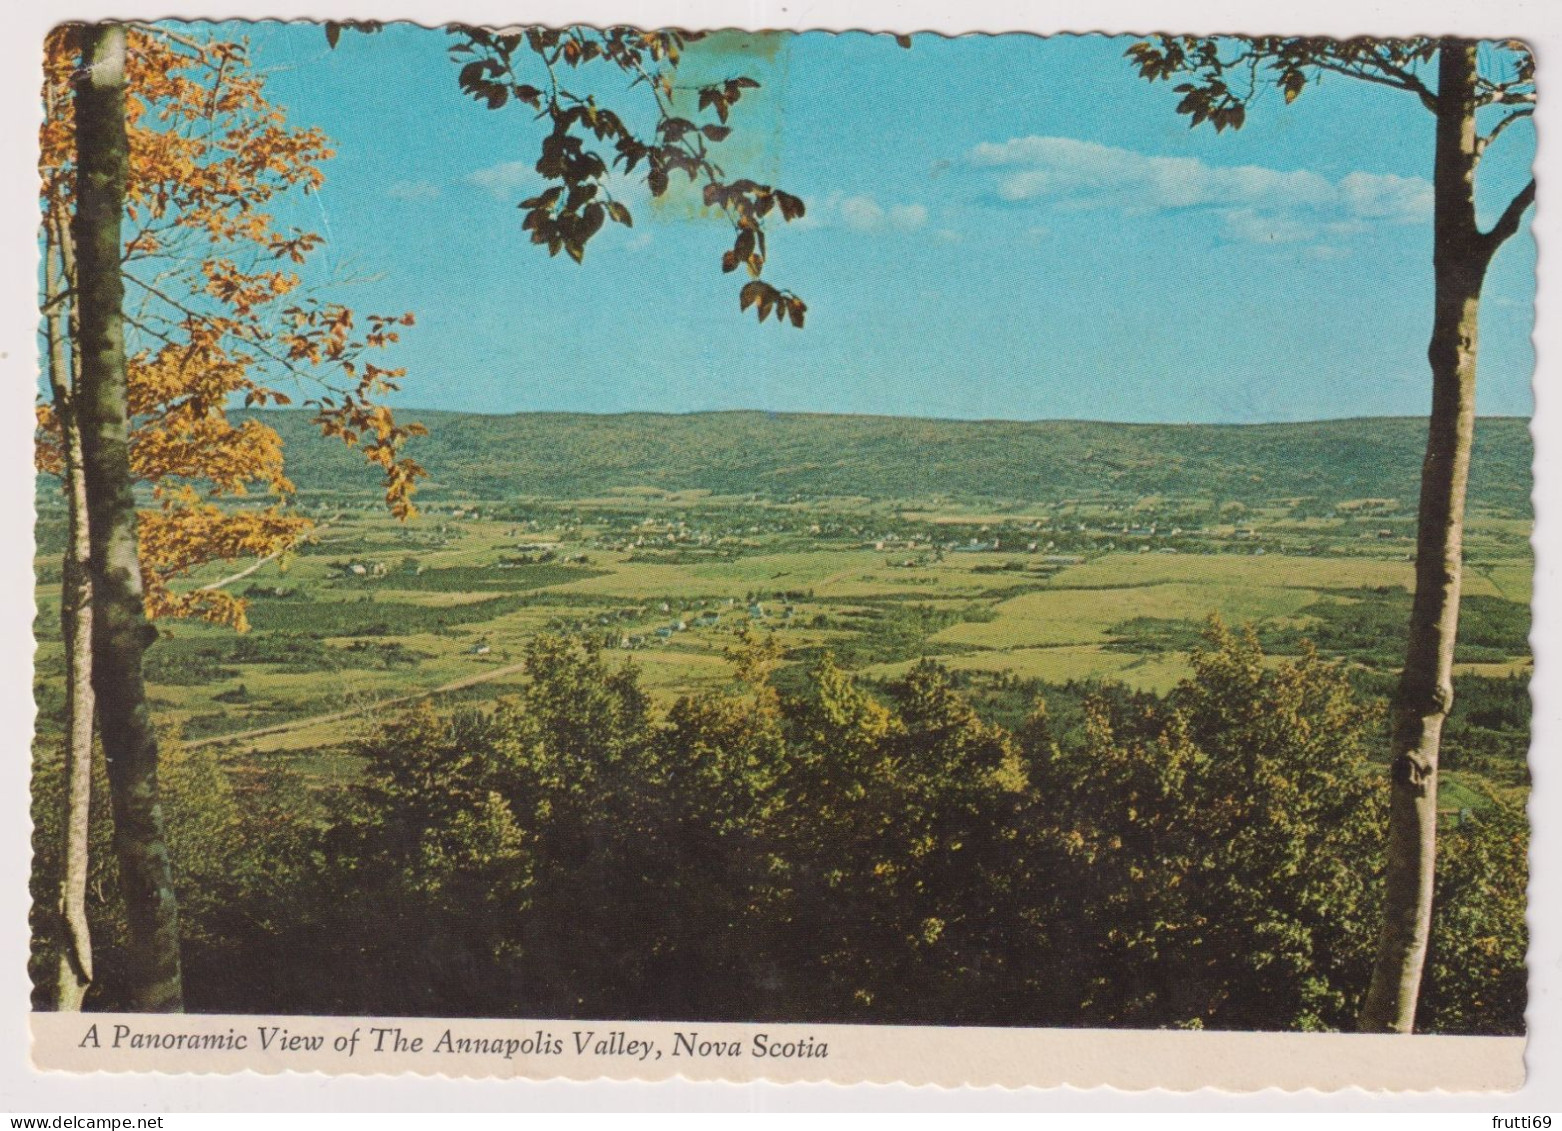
[{"x": 570, "y": 455}]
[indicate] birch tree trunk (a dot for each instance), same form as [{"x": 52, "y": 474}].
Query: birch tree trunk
[
  {"x": 1461, "y": 253},
  {"x": 120, "y": 630},
  {"x": 75, "y": 968}
]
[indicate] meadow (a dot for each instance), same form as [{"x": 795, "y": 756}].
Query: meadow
[{"x": 369, "y": 614}]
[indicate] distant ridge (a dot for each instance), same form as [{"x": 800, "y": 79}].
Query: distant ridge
[{"x": 569, "y": 455}]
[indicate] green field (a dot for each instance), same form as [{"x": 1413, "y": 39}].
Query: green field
[{"x": 370, "y": 613}]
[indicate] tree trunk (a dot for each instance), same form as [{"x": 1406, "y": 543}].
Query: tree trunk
[
  {"x": 75, "y": 969},
  {"x": 120, "y": 631},
  {"x": 1425, "y": 694}
]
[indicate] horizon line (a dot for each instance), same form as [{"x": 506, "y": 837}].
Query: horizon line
[{"x": 805, "y": 413}]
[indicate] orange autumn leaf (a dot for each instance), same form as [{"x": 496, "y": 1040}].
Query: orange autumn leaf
[{"x": 206, "y": 267}]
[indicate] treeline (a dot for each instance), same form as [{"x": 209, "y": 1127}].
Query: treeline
[
  {"x": 829, "y": 853},
  {"x": 1363, "y": 626}
]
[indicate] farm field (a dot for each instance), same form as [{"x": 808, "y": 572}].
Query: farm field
[{"x": 370, "y": 614}]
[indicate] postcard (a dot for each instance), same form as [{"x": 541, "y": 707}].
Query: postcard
[{"x": 578, "y": 551}]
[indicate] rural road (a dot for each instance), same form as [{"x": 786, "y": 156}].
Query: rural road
[{"x": 334, "y": 716}]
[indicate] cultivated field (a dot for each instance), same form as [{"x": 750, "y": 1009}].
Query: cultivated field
[{"x": 371, "y": 614}]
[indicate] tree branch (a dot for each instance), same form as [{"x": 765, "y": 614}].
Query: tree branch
[
  {"x": 253, "y": 343},
  {"x": 1508, "y": 222},
  {"x": 1412, "y": 82},
  {"x": 1516, "y": 92},
  {"x": 1482, "y": 143},
  {"x": 172, "y": 36},
  {"x": 1392, "y": 77}
]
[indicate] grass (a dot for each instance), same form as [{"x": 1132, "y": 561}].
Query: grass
[
  {"x": 1067, "y": 615},
  {"x": 334, "y": 640},
  {"x": 1061, "y": 664}
]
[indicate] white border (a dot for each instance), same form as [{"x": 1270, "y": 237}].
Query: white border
[{"x": 23, "y": 1090}]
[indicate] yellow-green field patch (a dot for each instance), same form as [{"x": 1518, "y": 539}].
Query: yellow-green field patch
[
  {"x": 1082, "y": 616},
  {"x": 1246, "y": 570}
]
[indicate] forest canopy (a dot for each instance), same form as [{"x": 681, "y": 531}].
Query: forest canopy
[{"x": 839, "y": 852}]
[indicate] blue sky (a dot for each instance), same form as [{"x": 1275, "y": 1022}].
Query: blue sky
[{"x": 998, "y": 227}]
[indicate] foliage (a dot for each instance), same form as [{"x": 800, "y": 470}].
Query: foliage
[
  {"x": 1366, "y": 626},
  {"x": 1370, "y": 626},
  {"x": 892, "y": 632},
  {"x": 234, "y": 839},
  {"x": 371, "y": 617},
  {"x": 470, "y": 579},
  {"x": 541, "y": 68},
  {"x": 1221, "y": 76},
  {"x": 1237, "y": 850},
  {"x": 204, "y": 661},
  {"x": 1488, "y": 730},
  {"x": 845, "y": 853},
  {"x": 216, "y": 314},
  {"x": 1476, "y": 978}
]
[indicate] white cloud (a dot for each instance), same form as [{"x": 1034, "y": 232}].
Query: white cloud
[
  {"x": 1256, "y": 204},
  {"x": 1374, "y": 196},
  {"x": 412, "y": 190},
  {"x": 1246, "y": 225},
  {"x": 503, "y": 179},
  {"x": 863, "y": 213}
]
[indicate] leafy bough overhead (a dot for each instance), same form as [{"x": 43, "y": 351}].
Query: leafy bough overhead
[
  {"x": 1222, "y": 75},
  {"x": 216, "y": 311},
  {"x": 586, "y": 142}
]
